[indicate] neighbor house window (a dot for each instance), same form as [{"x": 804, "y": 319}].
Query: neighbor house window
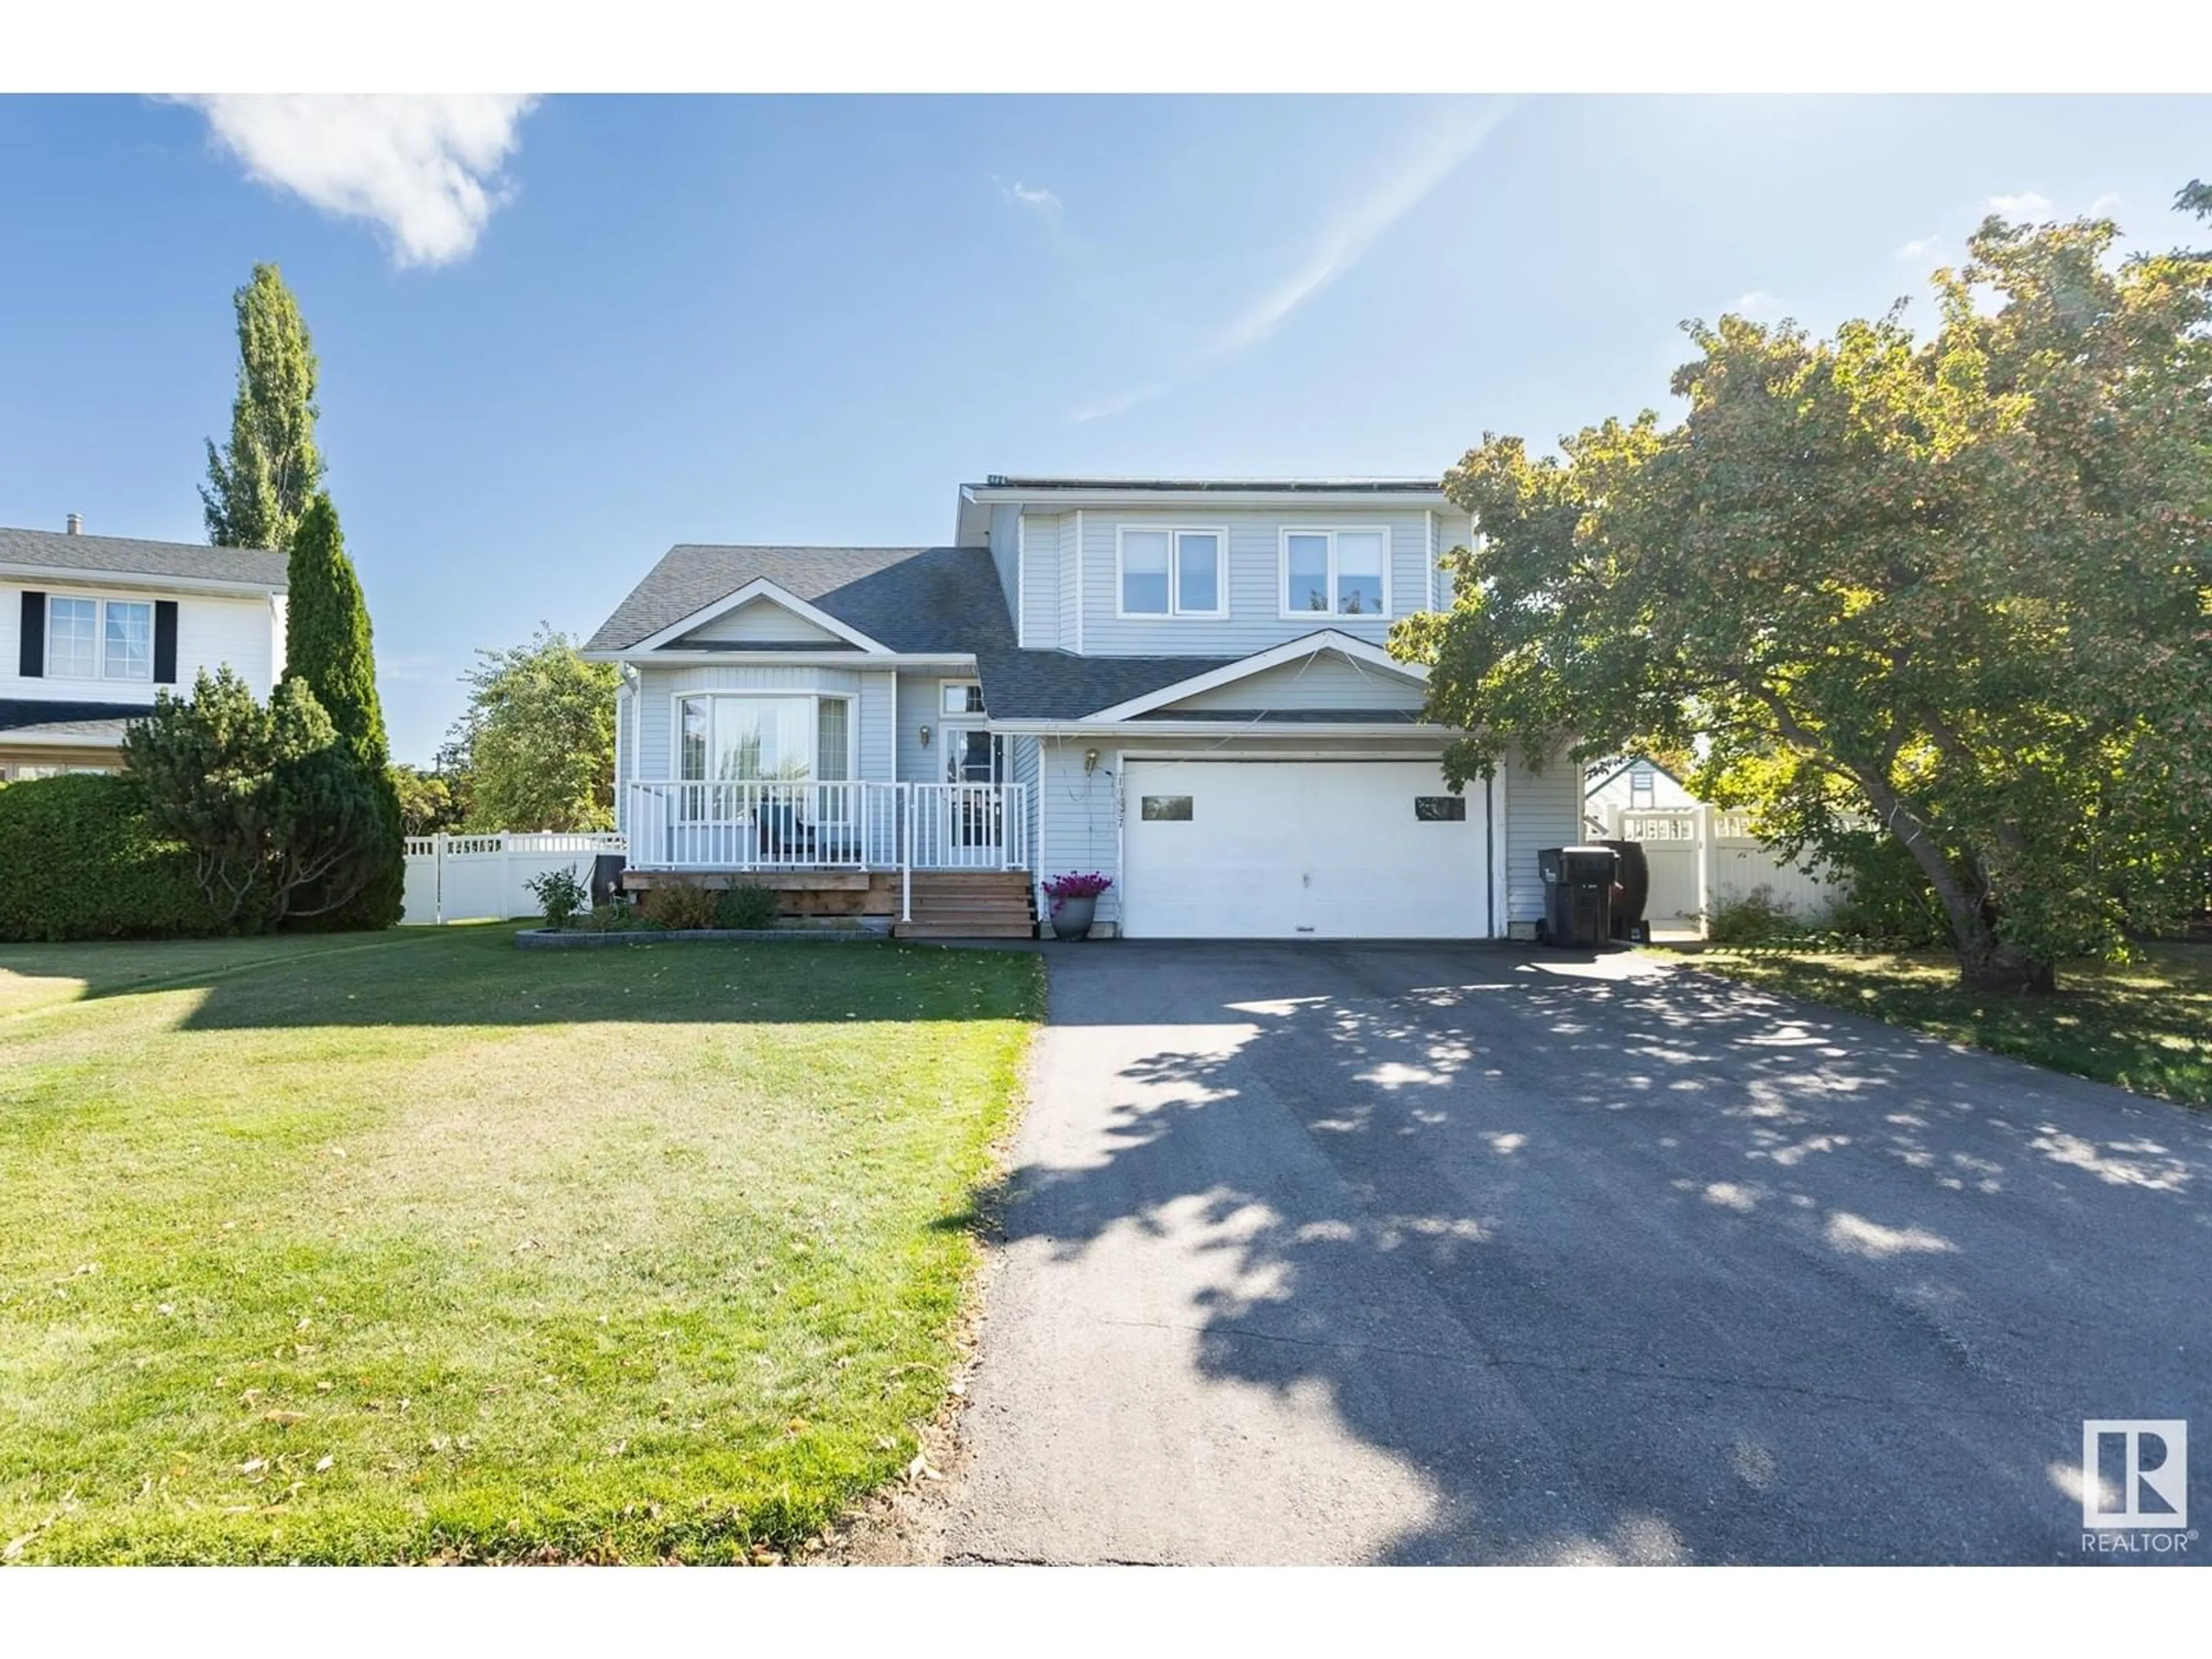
[
  {"x": 1640, "y": 788},
  {"x": 1342, "y": 573},
  {"x": 1165, "y": 809},
  {"x": 129, "y": 653},
  {"x": 99, "y": 639},
  {"x": 742, "y": 739},
  {"x": 73, "y": 638},
  {"x": 1440, "y": 809},
  {"x": 1171, "y": 573},
  {"x": 962, "y": 698}
]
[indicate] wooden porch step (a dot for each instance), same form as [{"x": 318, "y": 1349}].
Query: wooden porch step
[
  {"x": 920, "y": 929},
  {"x": 971, "y": 905}
]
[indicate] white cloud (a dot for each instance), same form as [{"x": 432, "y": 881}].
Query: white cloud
[
  {"x": 1921, "y": 248},
  {"x": 1757, "y": 304},
  {"x": 1034, "y": 197},
  {"x": 1346, "y": 239},
  {"x": 426, "y": 170},
  {"x": 2103, "y": 208},
  {"x": 2026, "y": 204},
  {"x": 1349, "y": 236},
  {"x": 1113, "y": 404}
]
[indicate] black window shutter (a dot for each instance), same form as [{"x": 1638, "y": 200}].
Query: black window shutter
[
  {"x": 165, "y": 641},
  {"x": 32, "y": 665}
]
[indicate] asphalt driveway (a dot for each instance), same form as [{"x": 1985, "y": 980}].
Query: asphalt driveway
[{"x": 1386, "y": 1254}]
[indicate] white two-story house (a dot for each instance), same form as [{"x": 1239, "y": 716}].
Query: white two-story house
[
  {"x": 1180, "y": 683},
  {"x": 92, "y": 627}
]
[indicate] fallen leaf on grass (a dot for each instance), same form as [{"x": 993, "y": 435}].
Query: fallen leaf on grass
[{"x": 323, "y": 1466}]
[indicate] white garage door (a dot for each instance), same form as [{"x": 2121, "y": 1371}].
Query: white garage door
[{"x": 1299, "y": 849}]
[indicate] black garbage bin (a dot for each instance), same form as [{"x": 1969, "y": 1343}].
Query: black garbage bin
[
  {"x": 1631, "y": 892},
  {"x": 1577, "y": 896},
  {"x": 606, "y": 878}
]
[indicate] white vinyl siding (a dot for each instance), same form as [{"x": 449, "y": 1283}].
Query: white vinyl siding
[
  {"x": 764, "y": 622},
  {"x": 1323, "y": 680},
  {"x": 1041, "y": 594},
  {"x": 245, "y": 632},
  {"x": 1073, "y": 583},
  {"x": 1542, "y": 808},
  {"x": 917, "y": 707},
  {"x": 1081, "y": 817},
  {"x": 1005, "y": 538}
]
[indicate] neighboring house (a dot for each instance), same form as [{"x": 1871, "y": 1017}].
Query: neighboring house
[
  {"x": 92, "y": 627},
  {"x": 1180, "y": 683},
  {"x": 1635, "y": 785}
]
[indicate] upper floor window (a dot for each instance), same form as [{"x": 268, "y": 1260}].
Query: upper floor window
[
  {"x": 128, "y": 641},
  {"x": 99, "y": 639},
  {"x": 1343, "y": 572},
  {"x": 72, "y": 638},
  {"x": 1171, "y": 573},
  {"x": 961, "y": 697}
]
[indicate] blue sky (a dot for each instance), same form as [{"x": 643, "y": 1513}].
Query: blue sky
[{"x": 554, "y": 341}]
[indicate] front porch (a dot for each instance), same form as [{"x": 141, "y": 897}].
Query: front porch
[{"x": 911, "y": 852}]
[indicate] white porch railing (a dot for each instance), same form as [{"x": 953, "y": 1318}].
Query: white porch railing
[
  {"x": 768, "y": 825},
  {"x": 968, "y": 826}
]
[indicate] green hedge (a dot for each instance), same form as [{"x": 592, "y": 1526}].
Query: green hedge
[{"x": 78, "y": 861}]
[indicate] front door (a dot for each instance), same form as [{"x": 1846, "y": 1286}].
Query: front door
[
  {"x": 971, "y": 755},
  {"x": 969, "y": 827}
]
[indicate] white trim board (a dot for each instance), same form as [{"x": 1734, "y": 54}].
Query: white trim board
[
  {"x": 1306, "y": 645},
  {"x": 762, "y": 588}
]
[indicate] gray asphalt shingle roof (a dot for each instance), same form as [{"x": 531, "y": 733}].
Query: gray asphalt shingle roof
[
  {"x": 93, "y": 720},
  {"x": 121, "y": 556},
  {"x": 943, "y": 600},
  {"x": 909, "y": 598},
  {"x": 1052, "y": 685}
]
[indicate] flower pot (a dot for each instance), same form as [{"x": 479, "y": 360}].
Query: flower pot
[{"x": 1071, "y": 917}]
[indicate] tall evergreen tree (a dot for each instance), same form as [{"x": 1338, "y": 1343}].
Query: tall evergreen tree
[
  {"x": 328, "y": 644},
  {"x": 260, "y": 484}
]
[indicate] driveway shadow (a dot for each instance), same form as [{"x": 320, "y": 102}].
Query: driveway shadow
[{"x": 1627, "y": 1264}]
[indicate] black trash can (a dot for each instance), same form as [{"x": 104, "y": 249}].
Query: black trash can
[
  {"x": 1577, "y": 896},
  {"x": 606, "y": 878},
  {"x": 1631, "y": 892}
]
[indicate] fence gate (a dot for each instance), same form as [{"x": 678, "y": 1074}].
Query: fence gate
[{"x": 1701, "y": 857}]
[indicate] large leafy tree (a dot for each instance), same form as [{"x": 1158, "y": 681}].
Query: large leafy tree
[
  {"x": 259, "y": 484},
  {"x": 536, "y": 742},
  {"x": 280, "y": 821},
  {"x": 328, "y": 647},
  {"x": 1957, "y": 587}
]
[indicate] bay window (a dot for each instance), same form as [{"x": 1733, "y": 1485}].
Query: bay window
[
  {"x": 743, "y": 738},
  {"x": 1342, "y": 573}
]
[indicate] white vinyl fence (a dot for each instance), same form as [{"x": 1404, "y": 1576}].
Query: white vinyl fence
[
  {"x": 470, "y": 877},
  {"x": 1701, "y": 857}
]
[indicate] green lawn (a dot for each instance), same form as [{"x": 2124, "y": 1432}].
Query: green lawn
[
  {"x": 388, "y": 1248},
  {"x": 2148, "y": 1027}
]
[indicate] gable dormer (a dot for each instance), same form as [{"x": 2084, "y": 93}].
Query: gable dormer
[{"x": 761, "y": 616}]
